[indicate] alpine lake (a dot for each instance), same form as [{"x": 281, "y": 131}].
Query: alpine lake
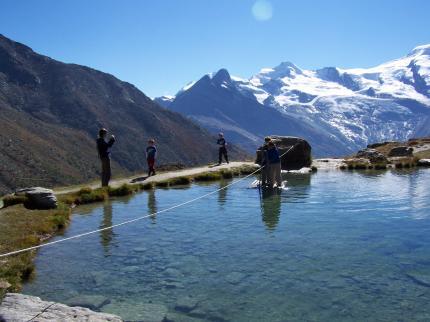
[{"x": 332, "y": 246}]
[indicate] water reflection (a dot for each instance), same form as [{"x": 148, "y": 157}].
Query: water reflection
[
  {"x": 152, "y": 205},
  {"x": 106, "y": 236},
  {"x": 222, "y": 193},
  {"x": 270, "y": 207}
]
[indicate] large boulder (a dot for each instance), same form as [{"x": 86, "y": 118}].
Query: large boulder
[
  {"x": 372, "y": 155},
  {"x": 401, "y": 151},
  {"x": 297, "y": 152},
  {"x": 38, "y": 198}
]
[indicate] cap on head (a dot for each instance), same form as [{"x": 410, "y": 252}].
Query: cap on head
[
  {"x": 102, "y": 131},
  {"x": 151, "y": 141}
]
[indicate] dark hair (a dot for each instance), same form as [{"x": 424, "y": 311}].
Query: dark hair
[
  {"x": 102, "y": 131},
  {"x": 267, "y": 139}
]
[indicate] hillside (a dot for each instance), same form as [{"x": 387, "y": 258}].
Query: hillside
[
  {"x": 50, "y": 113},
  {"x": 337, "y": 110}
]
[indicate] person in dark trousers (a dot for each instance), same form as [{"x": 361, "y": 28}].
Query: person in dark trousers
[
  {"x": 274, "y": 161},
  {"x": 222, "y": 151},
  {"x": 151, "y": 153},
  {"x": 265, "y": 171},
  {"x": 103, "y": 149}
]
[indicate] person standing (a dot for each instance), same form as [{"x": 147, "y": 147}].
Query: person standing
[
  {"x": 103, "y": 149},
  {"x": 274, "y": 161},
  {"x": 151, "y": 153},
  {"x": 222, "y": 151},
  {"x": 264, "y": 161}
]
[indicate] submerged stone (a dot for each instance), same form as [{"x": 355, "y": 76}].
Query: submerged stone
[
  {"x": 186, "y": 303},
  {"x": 93, "y": 302},
  {"x": 235, "y": 277}
]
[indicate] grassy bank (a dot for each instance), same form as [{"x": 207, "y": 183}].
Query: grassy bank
[{"x": 21, "y": 227}]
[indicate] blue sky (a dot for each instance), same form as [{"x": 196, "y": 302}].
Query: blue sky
[{"x": 160, "y": 45}]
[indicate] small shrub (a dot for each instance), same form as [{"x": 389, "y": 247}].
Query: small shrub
[
  {"x": 314, "y": 169},
  {"x": 208, "y": 176},
  {"x": 226, "y": 174},
  {"x": 11, "y": 200},
  {"x": 85, "y": 190},
  {"x": 162, "y": 184},
  {"x": 247, "y": 170},
  {"x": 146, "y": 186},
  {"x": 179, "y": 181},
  {"x": 380, "y": 166},
  {"x": 123, "y": 190},
  {"x": 94, "y": 196},
  {"x": 360, "y": 166}
]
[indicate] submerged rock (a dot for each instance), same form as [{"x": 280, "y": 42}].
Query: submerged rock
[
  {"x": 93, "y": 302},
  {"x": 186, "y": 304},
  {"x": 20, "y": 307},
  {"x": 138, "y": 311}
]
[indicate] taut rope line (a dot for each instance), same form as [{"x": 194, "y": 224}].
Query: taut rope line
[{"x": 135, "y": 219}]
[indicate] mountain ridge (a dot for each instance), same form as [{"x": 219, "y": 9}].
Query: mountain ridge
[
  {"x": 357, "y": 106},
  {"x": 50, "y": 113}
]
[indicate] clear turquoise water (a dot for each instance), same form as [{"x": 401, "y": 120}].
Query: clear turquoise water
[{"x": 335, "y": 246}]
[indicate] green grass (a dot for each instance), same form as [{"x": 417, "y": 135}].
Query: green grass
[
  {"x": 22, "y": 228},
  {"x": 123, "y": 190}
]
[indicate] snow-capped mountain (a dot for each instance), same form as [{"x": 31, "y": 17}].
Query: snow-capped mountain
[{"x": 337, "y": 110}]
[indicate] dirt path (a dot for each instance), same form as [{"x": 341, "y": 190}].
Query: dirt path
[{"x": 159, "y": 177}]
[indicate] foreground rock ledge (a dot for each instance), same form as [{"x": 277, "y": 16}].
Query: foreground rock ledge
[{"x": 19, "y": 307}]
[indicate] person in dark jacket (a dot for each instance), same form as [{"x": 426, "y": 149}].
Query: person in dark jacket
[
  {"x": 151, "y": 153},
  {"x": 103, "y": 149},
  {"x": 222, "y": 151},
  {"x": 265, "y": 171},
  {"x": 274, "y": 162}
]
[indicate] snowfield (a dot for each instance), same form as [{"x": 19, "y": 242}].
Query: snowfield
[{"x": 358, "y": 106}]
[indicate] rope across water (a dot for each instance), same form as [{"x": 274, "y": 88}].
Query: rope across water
[{"x": 135, "y": 219}]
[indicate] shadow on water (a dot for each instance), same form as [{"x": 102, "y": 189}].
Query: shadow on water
[{"x": 106, "y": 236}]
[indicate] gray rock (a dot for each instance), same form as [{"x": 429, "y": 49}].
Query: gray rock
[
  {"x": 93, "y": 302},
  {"x": 401, "y": 151},
  {"x": 20, "y": 307},
  {"x": 424, "y": 162},
  {"x": 39, "y": 198},
  {"x": 298, "y": 157},
  {"x": 372, "y": 155},
  {"x": 186, "y": 304}
]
